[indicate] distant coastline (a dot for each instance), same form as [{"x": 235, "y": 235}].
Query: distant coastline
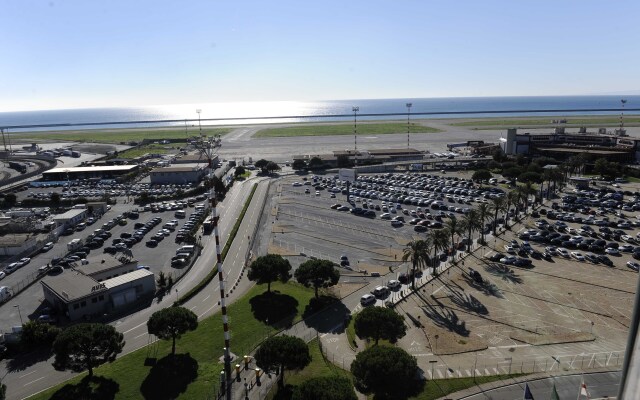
[{"x": 219, "y": 114}]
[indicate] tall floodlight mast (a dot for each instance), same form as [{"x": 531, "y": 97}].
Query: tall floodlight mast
[
  {"x": 623, "y": 101},
  {"x": 408, "y": 122},
  {"x": 355, "y": 134},
  {"x": 199, "y": 126},
  {"x": 208, "y": 148}
]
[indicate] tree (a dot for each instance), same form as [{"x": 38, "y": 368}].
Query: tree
[
  {"x": 55, "y": 199},
  {"x": 530, "y": 177},
  {"x": 325, "y": 388},
  {"x": 3, "y": 391},
  {"x": 481, "y": 175},
  {"x": 418, "y": 252},
  {"x": 484, "y": 214},
  {"x": 388, "y": 372},
  {"x": 298, "y": 164},
  {"x": 453, "y": 227},
  {"x": 161, "y": 281},
  {"x": 380, "y": 323},
  {"x": 471, "y": 223},
  {"x": 269, "y": 268},
  {"x": 512, "y": 173},
  {"x": 239, "y": 171},
  {"x": 85, "y": 346},
  {"x": 261, "y": 163},
  {"x": 10, "y": 200},
  {"x": 319, "y": 273},
  {"x": 316, "y": 163},
  {"x": 439, "y": 241},
  {"x": 497, "y": 205},
  {"x": 282, "y": 352},
  {"x": 272, "y": 167},
  {"x": 171, "y": 323},
  {"x": 35, "y": 334}
]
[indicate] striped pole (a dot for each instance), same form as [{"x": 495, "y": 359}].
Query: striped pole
[{"x": 225, "y": 321}]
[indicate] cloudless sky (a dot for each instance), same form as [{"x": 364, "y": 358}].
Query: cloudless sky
[{"x": 88, "y": 53}]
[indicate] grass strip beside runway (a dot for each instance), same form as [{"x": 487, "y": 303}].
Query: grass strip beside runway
[{"x": 364, "y": 128}]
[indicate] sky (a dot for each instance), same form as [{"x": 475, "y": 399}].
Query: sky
[{"x": 110, "y": 53}]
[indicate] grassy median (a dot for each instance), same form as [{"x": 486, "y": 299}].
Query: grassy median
[{"x": 364, "y": 128}]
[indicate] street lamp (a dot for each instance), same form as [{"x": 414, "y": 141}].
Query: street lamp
[
  {"x": 408, "y": 124},
  {"x": 199, "y": 126},
  {"x": 19, "y": 314},
  {"x": 355, "y": 134}
]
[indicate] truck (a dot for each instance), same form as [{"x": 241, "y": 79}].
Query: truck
[
  {"x": 5, "y": 294},
  {"x": 18, "y": 166},
  {"x": 75, "y": 154},
  {"x": 74, "y": 244},
  {"x": 67, "y": 153}
]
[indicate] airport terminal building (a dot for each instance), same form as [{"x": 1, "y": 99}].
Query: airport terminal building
[{"x": 97, "y": 172}]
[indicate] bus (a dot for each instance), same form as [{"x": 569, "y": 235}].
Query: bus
[{"x": 207, "y": 225}]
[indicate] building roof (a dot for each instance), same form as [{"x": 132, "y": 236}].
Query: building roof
[
  {"x": 182, "y": 168},
  {"x": 101, "y": 168},
  {"x": 583, "y": 150},
  {"x": 72, "y": 285},
  {"x": 192, "y": 158},
  {"x": 383, "y": 152},
  {"x": 102, "y": 263},
  {"x": 74, "y": 212},
  {"x": 126, "y": 278}
]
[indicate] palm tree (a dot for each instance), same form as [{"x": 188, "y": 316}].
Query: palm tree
[
  {"x": 524, "y": 192},
  {"x": 439, "y": 241},
  {"x": 453, "y": 228},
  {"x": 512, "y": 198},
  {"x": 497, "y": 206},
  {"x": 484, "y": 214},
  {"x": 418, "y": 252},
  {"x": 471, "y": 222}
]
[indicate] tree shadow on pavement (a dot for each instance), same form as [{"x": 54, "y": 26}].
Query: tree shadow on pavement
[
  {"x": 326, "y": 314},
  {"x": 468, "y": 302},
  {"x": 21, "y": 362},
  {"x": 446, "y": 318},
  {"x": 169, "y": 377},
  {"x": 504, "y": 272},
  {"x": 93, "y": 388},
  {"x": 275, "y": 309}
]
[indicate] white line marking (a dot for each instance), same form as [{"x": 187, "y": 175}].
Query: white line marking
[
  {"x": 135, "y": 327},
  {"x": 206, "y": 298},
  {"x": 32, "y": 372},
  {"x": 34, "y": 381},
  {"x": 142, "y": 334}
]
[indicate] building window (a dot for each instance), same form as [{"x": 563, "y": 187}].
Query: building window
[
  {"x": 76, "y": 306},
  {"x": 83, "y": 304},
  {"x": 94, "y": 299},
  {"x": 101, "y": 297}
]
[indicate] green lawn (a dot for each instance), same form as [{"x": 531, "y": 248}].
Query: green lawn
[
  {"x": 205, "y": 344},
  {"x": 319, "y": 367},
  {"x": 151, "y": 148},
  {"x": 546, "y": 121},
  {"x": 344, "y": 129},
  {"x": 119, "y": 135}
]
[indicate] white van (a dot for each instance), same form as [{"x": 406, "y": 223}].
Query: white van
[
  {"x": 367, "y": 300},
  {"x": 186, "y": 249},
  {"x": 180, "y": 214}
]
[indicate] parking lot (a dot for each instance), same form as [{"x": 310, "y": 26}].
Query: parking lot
[{"x": 157, "y": 259}]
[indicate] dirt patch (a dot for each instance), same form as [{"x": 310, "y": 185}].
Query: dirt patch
[
  {"x": 94, "y": 148},
  {"x": 273, "y": 249},
  {"x": 450, "y": 342},
  {"x": 343, "y": 290},
  {"x": 541, "y": 339}
]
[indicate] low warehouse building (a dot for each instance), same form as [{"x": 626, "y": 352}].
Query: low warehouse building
[
  {"x": 63, "y": 175},
  {"x": 71, "y": 217},
  {"x": 103, "y": 286},
  {"x": 185, "y": 173}
]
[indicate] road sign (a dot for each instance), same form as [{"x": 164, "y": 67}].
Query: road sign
[{"x": 347, "y": 175}]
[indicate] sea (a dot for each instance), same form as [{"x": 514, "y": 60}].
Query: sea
[{"x": 235, "y": 113}]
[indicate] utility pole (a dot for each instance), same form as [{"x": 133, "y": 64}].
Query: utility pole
[{"x": 199, "y": 126}]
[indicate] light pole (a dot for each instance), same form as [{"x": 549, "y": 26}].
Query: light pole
[
  {"x": 19, "y": 314},
  {"x": 355, "y": 134},
  {"x": 408, "y": 123},
  {"x": 199, "y": 126},
  {"x": 176, "y": 295},
  {"x": 436, "y": 349}
]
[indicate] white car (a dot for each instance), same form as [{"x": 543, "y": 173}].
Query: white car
[
  {"x": 577, "y": 255},
  {"x": 392, "y": 284},
  {"x": 297, "y": 184},
  {"x": 2, "y": 275},
  {"x": 509, "y": 249},
  {"x": 24, "y": 261},
  {"x": 551, "y": 250},
  {"x": 563, "y": 252},
  {"x": 508, "y": 259},
  {"x": 612, "y": 251},
  {"x": 47, "y": 247}
]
